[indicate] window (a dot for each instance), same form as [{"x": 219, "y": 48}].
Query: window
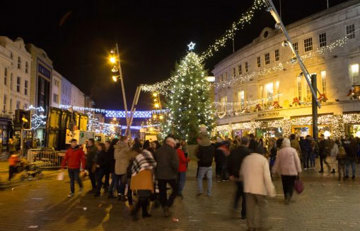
[
  {"x": 354, "y": 74},
  {"x": 5, "y": 76},
  {"x": 11, "y": 81},
  {"x": 277, "y": 55},
  {"x": 322, "y": 39},
  {"x": 234, "y": 72},
  {"x": 223, "y": 102},
  {"x": 267, "y": 58},
  {"x": 56, "y": 83},
  {"x": 5, "y": 101},
  {"x": 19, "y": 63},
  {"x": 269, "y": 90},
  {"x": 56, "y": 98},
  {"x": 246, "y": 67},
  {"x": 26, "y": 67},
  {"x": 17, "y": 104},
  {"x": 308, "y": 46},
  {"x": 296, "y": 47},
  {"x": 258, "y": 61},
  {"x": 241, "y": 98},
  {"x": 11, "y": 55},
  {"x": 18, "y": 80},
  {"x": 299, "y": 88},
  {"x": 25, "y": 106},
  {"x": 308, "y": 92},
  {"x": 277, "y": 89},
  {"x": 240, "y": 69},
  {"x": 350, "y": 31},
  {"x": 323, "y": 81},
  {"x": 26, "y": 87},
  {"x": 10, "y": 109}
]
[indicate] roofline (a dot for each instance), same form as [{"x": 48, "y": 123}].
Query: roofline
[{"x": 293, "y": 25}]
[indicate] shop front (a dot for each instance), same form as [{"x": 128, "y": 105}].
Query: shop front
[{"x": 5, "y": 134}]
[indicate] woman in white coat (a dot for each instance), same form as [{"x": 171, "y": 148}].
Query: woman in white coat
[{"x": 287, "y": 164}]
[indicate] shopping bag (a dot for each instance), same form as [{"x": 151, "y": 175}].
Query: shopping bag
[
  {"x": 299, "y": 186},
  {"x": 60, "y": 176}
]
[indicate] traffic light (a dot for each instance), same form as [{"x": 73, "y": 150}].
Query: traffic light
[{"x": 22, "y": 119}]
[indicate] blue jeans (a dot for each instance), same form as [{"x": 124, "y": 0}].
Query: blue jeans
[
  {"x": 353, "y": 167},
  {"x": 74, "y": 175},
  {"x": 205, "y": 171},
  {"x": 181, "y": 181},
  {"x": 118, "y": 183}
]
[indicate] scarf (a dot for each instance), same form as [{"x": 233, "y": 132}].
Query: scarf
[{"x": 143, "y": 161}]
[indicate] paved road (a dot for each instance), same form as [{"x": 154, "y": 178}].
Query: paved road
[{"x": 42, "y": 205}]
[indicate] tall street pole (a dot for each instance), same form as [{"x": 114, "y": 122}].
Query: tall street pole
[
  {"x": 280, "y": 25},
  {"x": 123, "y": 89},
  {"x": 314, "y": 109}
]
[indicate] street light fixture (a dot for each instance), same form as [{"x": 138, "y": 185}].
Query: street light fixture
[{"x": 114, "y": 78}]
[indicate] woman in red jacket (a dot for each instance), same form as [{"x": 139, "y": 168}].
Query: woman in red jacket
[{"x": 183, "y": 161}]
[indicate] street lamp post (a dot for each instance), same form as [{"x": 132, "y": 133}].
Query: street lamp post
[
  {"x": 310, "y": 79},
  {"x": 116, "y": 60}
]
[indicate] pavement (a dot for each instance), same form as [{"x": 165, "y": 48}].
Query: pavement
[{"x": 325, "y": 204}]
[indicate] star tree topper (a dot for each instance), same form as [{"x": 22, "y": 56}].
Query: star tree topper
[{"x": 191, "y": 46}]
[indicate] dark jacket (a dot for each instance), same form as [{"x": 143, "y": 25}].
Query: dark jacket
[
  {"x": 324, "y": 148},
  {"x": 205, "y": 153},
  {"x": 167, "y": 163},
  {"x": 104, "y": 160},
  {"x": 235, "y": 160},
  {"x": 91, "y": 156}
]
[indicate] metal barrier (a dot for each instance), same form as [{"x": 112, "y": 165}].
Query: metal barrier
[{"x": 45, "y": 158}]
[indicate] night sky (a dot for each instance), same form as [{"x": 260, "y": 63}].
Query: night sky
[{"x": 152, "y": 36}]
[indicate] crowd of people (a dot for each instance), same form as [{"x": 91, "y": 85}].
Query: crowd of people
[
  {"x": 149, "y": 170},
  {"x": 123, "y": 168}
]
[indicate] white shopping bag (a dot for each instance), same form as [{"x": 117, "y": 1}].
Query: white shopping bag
[{"x": 60, "y": 176}]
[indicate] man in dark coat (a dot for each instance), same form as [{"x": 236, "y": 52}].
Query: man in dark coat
[
  {"x": 91, "y": 162},
  {"x": 166, "y": 173},
  {"x": 234, "y": 163}
]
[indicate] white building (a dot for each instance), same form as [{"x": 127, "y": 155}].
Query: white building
[
  {"x": 15, "y": 69},
  {"x": 257, "y": 89},
  {"x": 55, "y": 89},
  {"x": 41, "y": 72},
  {"x": 77, "y": 97},
  {"x": 65, "y": 91}
]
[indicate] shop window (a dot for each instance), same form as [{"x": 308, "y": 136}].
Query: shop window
[
  {"x": 258, "y": 61},
  {"x": 308, "y": 45},
  {"x": 350, "y": 31},
  {"x": 299, "y": 87},
  {"x": 323, "y": 81},
  {"x": 240, "y": 69},
  {"x": 354, "y": 74},
  {"x": 308, "y": 93},
  {"x": 322, "y": 39},
  {"x": 277, "y": 55},
  {"x": 267, "y": 58}
]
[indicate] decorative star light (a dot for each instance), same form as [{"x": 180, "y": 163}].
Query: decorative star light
[{"x": 191, "y": 46}]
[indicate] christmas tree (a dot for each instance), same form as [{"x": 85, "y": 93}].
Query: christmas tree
[{"x": 189, "y": 101}]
